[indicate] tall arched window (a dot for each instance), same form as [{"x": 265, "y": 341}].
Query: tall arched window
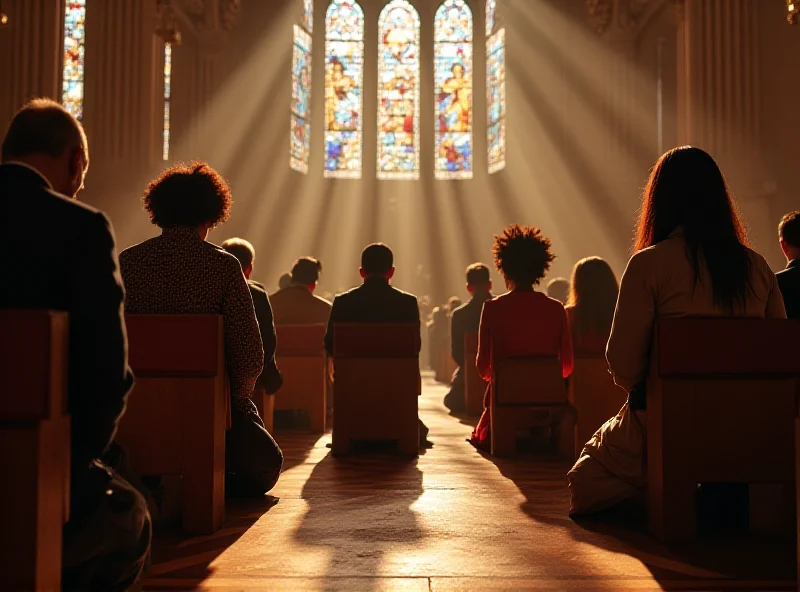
[
  {"x": 308, "y": 15},
  {"x": 74, "y": 53},
  {"x": 167, "y": 97},
  {"x": 495, "y": 91},
  {"x": 453, "y": 77},
  {"x": 398, "y": 92},
  {"x": 344, "y": 68},
  {"x": 300, "y": 146}
]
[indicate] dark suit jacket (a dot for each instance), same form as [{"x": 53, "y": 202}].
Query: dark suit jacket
[
  {"x": 56, "y": 253},
  {"x": 375, "y": 301},
  {"x": 465, "y": 319},
  {"x": 270, "y": 379},
  {"x": 789, "y": 283}
]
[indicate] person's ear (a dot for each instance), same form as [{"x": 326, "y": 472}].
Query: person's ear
[
  {"x": 390, "y": 274},
  {"x": 490, "y": 286},
  {"x": 248, "y": 270},
  {"x": 470, "y": 289},
  {"x": 76, "y": 169},
  {"x": 363, "y": 273}
]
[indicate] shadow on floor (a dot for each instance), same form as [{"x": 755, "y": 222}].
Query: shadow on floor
[
  {"x": 711, "y": 563},
  {"x": 368, "y": 515}
]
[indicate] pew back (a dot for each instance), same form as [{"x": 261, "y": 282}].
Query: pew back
[
  {"x": 376, "y": 385},
  {"x": 594, "y": 395},
  {"x": 720, "y": 407},
  {"x": 177, "y": 413},
  {"x": 300, "y": 355},
  {"x": 474, "y": 385},
  {"x": 34, "y": 447}
]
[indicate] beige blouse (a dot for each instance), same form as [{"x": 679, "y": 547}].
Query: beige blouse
[{"x": 659, "y": 283}]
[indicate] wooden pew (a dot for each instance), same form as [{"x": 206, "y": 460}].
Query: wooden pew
[
  {"x": 178, "y": 410},
  {"x": 594, "y": 395},
  {"x": 34, "y": 448},
  {"x": 721, "y": 405},
  {"x": 376, "y": 384},
  {"x": 474, "y": 385},
  {"x": 301, "y": 358},
  {"x": 525, "y": 385}
]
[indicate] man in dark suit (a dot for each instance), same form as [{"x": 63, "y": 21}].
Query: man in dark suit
[
  {"x": 789, "y": 278},
  {"x": 375, "y": 301},
  {"x": 465, "y": 319},
  {"x": 58, "y": 254},
  {"x": 270, "y": 379}
]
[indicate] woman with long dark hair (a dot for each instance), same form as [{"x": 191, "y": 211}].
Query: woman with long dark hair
[
  {"x": 691, "y": 259},
  {"x": 590, "y": 305}
]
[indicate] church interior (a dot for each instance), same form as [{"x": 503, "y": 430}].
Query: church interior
[{"x": 428, "y": 126}]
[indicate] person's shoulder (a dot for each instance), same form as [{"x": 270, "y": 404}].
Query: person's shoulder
[
  {"x": 320, "y": 301},
  {"x": 222, "y": 258},
  {"x": 759, "y": 263},
  {"x": 407, "y": 296},
  {"x": 256, "y": 287},
  {"x": 137, "y": 250}
]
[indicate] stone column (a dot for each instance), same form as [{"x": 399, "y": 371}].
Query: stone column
[
  {"x": 32, "y": 48},
  {"x": 123, "y": 108},
  {"x": 718, "y": 91}
]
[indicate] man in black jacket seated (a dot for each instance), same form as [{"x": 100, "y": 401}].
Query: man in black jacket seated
[
  {"x": 789, "y": 278},
  {"x": 56, "y": 253},
  {"x": 270, "y": 379},
  {"x": 466, "y": 319},
  {"x": 375, "y": 301}
]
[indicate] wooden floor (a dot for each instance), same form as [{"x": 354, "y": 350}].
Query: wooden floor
[{"x": 451, "y": 520}]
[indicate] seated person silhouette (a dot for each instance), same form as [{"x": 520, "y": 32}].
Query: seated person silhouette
[
  {"x": 558, "y": 289},
  {"x": 270, "y": 379},
  {"x": 521, "y": 322},
  {"x": 590, "y": 306},
  {"x": 296, "y": 304},
  {"x": 375, "y": 301},
  {"x": 465, "y": 319},
  {"x": 789, "y": 278},
  {"x": 58, "y": 254},
  {"x": 178, "y": 272},
  {"x": 691, "y": 258}
]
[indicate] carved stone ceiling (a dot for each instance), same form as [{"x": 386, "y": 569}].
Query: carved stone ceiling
[
  {"x": 205, "y": 18},
  {"x": 621, "y": 17}
]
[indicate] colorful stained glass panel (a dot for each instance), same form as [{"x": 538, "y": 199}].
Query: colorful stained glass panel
[
  {"x": 491, "y": 10},
  {"x": 398, "y": 92},
  {"x": 74, "y": 55},
  {"x": 167, "y": 95},
  {"x": 496, "y": 100},
  {"x": 453, "y": 79},
  {"x": 308, "y": 14},
  {"x": 300, "y": 135},
  {"x": 344, "y": 68}
]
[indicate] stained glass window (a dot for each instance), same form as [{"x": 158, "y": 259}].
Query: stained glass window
[
  {"x": 398, "y": 91},
  {"x": 453, "y": 79},
  {"x": 300, "y": 147},
  {"x": 74, "y": 53},
  {"x": 308, "y": 15},
  {"x": 344, "y": 68},
  {"x": 491, "y": 9},
  {"x": 167, "y": 94},
  {"x": 496, "y": 100}
]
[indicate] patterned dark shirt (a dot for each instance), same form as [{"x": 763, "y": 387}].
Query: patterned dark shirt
[{"x": 179, "y": 273}]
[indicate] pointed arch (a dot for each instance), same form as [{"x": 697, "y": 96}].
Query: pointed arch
[
  {"x": 453, "y": 78},
  {"x": 72, "y": 78},
  {"x": 491, "y": 10},
  {"x": 398, "y": 91},
  {"x": 344, "y": 79}
]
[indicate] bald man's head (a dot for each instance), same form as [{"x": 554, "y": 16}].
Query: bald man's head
[{"x": 46, "y": 136}]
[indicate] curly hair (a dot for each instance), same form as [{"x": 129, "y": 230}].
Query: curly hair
[
  {"x": 522, "y": 254},
  {"x": 189, "y": 195}
]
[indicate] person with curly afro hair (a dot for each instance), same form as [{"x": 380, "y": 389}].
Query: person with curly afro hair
[
  {"x": 179, "y": 272},
  {"x": 521, "y": 322}
]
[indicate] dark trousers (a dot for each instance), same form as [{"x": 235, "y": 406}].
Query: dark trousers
[
  {"x": 454, "y": 399},
  {"x": 253, "y": 460},
  {"x": 107, "y": 538}
]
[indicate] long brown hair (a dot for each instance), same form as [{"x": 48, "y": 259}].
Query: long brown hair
[
  {"x": 687, "y": 190},
  {"x": 593, "y": 293}
]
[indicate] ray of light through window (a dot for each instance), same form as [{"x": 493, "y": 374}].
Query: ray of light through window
[
  {"x": 453, "y": 79},
  {"x": 344, "y": 71},
  {"x": 74, "y": 57},
  {"x": 496, "y": 100},
  {"x": 398, "y": 92}
]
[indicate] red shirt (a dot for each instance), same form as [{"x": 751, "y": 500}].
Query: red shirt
[{"x": 523, "y": 323}]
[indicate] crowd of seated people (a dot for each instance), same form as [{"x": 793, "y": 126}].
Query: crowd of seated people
[{"x": 691, "y": 259}]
